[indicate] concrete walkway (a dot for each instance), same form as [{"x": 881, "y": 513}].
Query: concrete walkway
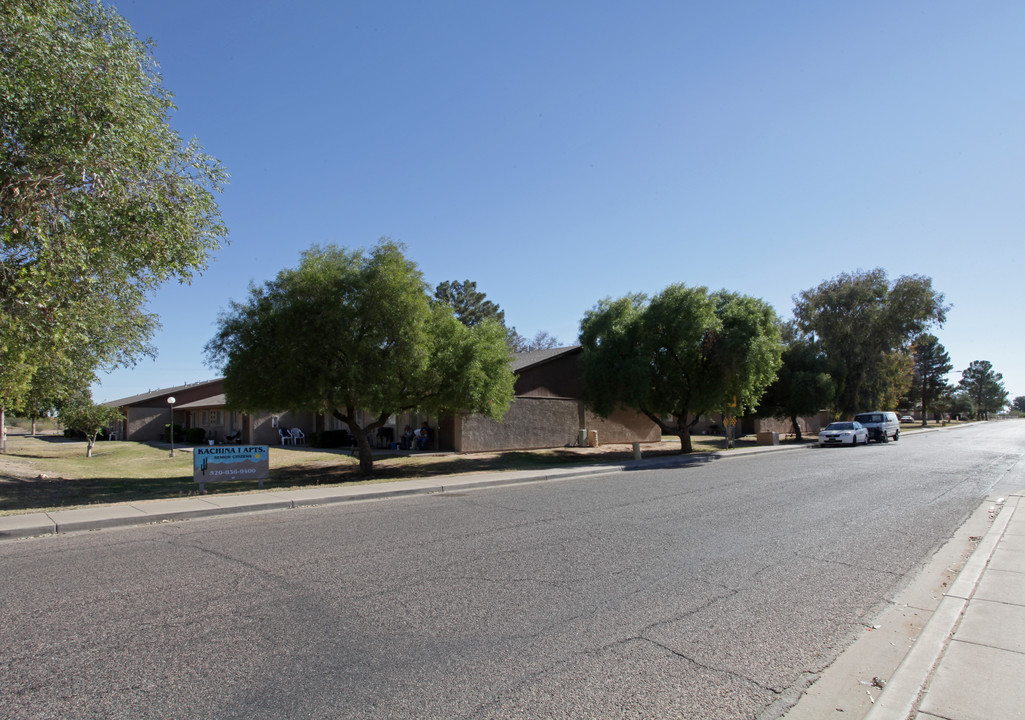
[{"x": 969, "y": 661}]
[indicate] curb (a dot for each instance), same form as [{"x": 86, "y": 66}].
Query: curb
[
  {"x": 58, "y": 522},
  {"x": 903, "y": 692}
]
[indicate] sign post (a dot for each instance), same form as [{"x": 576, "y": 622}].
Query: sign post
[
  {"x": 731, "y": 425},
  {"x": 730, "y": 422},
  {"x": 230, "y": 462}
]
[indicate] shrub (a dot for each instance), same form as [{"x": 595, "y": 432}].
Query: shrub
[
  {"x": 195, "y": 436},
  {"x": 179, "y": 432}
]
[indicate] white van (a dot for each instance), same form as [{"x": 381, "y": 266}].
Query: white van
[{"x": 881, "y": 425}]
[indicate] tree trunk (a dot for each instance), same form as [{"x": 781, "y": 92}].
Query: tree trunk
[
  {"x": 684, "y": 428},
  {"x": 797, "y": 428},
  {"x": 366, "y": 454},
  {"x": 3, "y": 431},
  {"x": 89, "y": 442},
  {"x": 681, "y": 430},
  {"x": 685, "y": 443},
  {"x": 925, "y": 413}
]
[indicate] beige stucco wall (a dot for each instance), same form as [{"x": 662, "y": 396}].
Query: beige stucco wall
[
  {"x": 623, "y": 426},
  {"x": 809, "y": 425},
  {"x": 534, "y": 422},
  {"x": 147, "y": 424},
  {"x": 264, "y": 432}
]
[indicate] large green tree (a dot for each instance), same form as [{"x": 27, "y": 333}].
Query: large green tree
[
  {"x": 100, "y": 199},
  {"x": 470, "y": 305},
  {"x": 57, "y": 382},
  {"x": 684, "y": 353},
  {"x": 984, "y": 387},
  {"x": 866, "y": 326},
  {"x": 803, "y": 385},
  {"x": 931, "y": 365},
  {"x": 956, "y": 402},
  {"x": 355, "y": 334},
  {"x": 15, "y": 381}
]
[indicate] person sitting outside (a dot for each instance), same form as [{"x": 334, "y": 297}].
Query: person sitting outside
[
  {"x": 406, "y": 441},
  {"x": 423, "y": 437}
]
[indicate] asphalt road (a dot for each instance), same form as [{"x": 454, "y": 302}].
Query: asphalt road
[{"x": 710, "y": 591}]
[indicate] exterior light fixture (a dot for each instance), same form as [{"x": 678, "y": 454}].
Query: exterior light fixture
[{"x": 170, "y": 428}]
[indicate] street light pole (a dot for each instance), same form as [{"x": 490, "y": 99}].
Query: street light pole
[{"x": 170, "y": 428}]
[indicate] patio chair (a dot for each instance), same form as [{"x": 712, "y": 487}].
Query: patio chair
[
  {"x": 298, "y": 436},
  {"x": 286, "y": 436}
]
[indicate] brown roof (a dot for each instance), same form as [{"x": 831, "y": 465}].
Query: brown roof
[
  {"x": 524, "y": 360},
  {"x": 214, "y": 401},
  {"x": 153, "y": 394}
]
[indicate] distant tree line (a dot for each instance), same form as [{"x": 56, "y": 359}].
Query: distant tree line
[{"x": 856, "y": 342}]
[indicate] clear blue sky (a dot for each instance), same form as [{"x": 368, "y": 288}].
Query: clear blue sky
[{"x": 560, "y": 152}]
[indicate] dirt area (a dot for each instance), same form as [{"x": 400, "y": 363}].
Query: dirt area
[{"x": 19, "y": 470}]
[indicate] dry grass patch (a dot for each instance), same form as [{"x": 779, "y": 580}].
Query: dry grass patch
[{"x": 47, "y": 472}]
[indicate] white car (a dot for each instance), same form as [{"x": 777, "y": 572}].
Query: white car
[{"x": 843, "y": 433}]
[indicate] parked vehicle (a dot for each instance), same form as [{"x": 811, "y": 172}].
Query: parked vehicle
[
  {"x": 881, "y": 425},
  {"x": 906, "y": 419},
  {"x": 843, "y": 433}
]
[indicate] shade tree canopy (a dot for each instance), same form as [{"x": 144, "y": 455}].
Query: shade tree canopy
[
  {"x": 866, "y": 326},
  {"x": 683, "y": 353},
  {"x": 954, "y": 402},
  {"x": 984, "y": 387},
  {"x": 803, "y": 385},
  {"x": 101, "y": 200},
  {"x": 62, "y": 378},
  {"x": 931, "y": 366},
  {"x": 355, "y": 334},
  {"x": 471, "y": 306}
]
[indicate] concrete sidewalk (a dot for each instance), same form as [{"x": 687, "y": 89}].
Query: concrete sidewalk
[{"x": 969, "y": 661}]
